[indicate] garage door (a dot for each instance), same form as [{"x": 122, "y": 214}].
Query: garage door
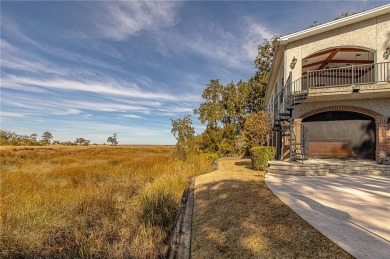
[{"x": 341, "y": 135}]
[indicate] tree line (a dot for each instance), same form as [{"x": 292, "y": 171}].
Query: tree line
[
  {"x": 233, "y": 114},
  {"x": 8, "y": 138}
]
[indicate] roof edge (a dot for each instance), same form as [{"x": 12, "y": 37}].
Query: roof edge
[
  {"x": 380, "y": 10},
  {"x": 278, "y": 56}
]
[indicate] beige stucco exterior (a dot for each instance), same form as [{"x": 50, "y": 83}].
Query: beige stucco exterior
[
  {"x": 380, "y": 106},
  {"x": 372, "y": 34},
  {"x": 373, "y": 99}
]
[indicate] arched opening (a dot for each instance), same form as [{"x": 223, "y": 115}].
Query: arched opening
[
  {"x": 339, "y": 66},
  {"x": 341, "y": 134}
]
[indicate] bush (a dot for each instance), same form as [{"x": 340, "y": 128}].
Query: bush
[
  {"x": 260, "y": 156},
  {"x": 257, "y": 129}
]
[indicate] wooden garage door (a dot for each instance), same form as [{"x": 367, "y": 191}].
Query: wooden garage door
[{"x": 341, "y": 134}]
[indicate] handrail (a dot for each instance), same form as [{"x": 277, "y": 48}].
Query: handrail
[{"x": 349, "y": 75}]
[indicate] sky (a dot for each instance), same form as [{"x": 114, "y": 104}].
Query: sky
[{"x": 93, "y": 68}]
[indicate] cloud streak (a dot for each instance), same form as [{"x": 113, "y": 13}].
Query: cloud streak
[
  {"x": 230, "y": 50},
  {"x": 121, "y": 20},
  {"x": 132, "y": 116},
  {"x": 110, "y": 87}
]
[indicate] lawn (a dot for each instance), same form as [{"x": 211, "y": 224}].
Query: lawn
[
  {"x": 237, "y": 216},
  {"x": 101, "y": 201}
]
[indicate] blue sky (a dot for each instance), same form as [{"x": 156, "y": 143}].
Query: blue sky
[{"x": 92, "y": 68}]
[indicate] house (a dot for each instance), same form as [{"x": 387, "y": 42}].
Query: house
[{"x": 329, "y": 89}]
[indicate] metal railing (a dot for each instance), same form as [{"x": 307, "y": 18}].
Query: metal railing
[
  {"x": 350, "y": 75},
  {"x": 305, "y": 141}
]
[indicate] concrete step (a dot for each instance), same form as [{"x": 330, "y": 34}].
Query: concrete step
[
  {"x": 360, "y": 171},
  {"x": 310, "y": 168},
  {"x": 297, "y": 172},
  {"x": 297, "y": 167}
]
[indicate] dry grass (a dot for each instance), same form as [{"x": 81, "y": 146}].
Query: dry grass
[
  {"x": 237, "y": 216},
  {"x": 67, "y": 202}
]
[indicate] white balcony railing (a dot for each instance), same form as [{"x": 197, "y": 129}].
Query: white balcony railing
[{"x": 350, "y": 75}]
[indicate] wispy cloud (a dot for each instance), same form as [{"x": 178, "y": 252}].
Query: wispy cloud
[
  {"x": 255, "y": 34},
  {"x": 27, "y": 60},
  {"x": 12, "y": 114},
  {"x": 119, "y": 20},
  {"x": 236, "y": 51},
  {"x": 111, "y": 87},
  {"x": 68, "y": 112},
  {"x": 132, "y": 116}
]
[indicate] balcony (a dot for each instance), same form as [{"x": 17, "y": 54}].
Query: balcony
[
  {"x": 340, "y": 83},
  {"x": 370, "y": 80}
]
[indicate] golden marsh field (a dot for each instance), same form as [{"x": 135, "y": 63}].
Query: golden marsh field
[{"x": 101, "y": 201}]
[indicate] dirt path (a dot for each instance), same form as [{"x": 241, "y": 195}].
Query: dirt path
[{"x": 236, "y": 216}]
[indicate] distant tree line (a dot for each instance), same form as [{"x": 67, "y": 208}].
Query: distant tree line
[{"x": 8, "y": 138}]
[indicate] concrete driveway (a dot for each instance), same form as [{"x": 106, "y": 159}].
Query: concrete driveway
[{"x": 351, "y": 210}]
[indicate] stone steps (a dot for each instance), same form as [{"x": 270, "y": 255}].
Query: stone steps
[
  {"x": 320, "y": 168},
  {"x": 301, "y": 172}
]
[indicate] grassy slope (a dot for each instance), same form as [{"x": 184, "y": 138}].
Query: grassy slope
[
  {"x": 237, "y": 216},
  {"x": 89, "y": 201}
]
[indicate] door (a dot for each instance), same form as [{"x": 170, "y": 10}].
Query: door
[{"x": 341, "y": 134}]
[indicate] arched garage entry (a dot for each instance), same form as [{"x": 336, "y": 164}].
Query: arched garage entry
[{"x": 341, "y": 134}]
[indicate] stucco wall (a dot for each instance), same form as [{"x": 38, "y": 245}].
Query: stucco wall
[
  {"x": 373, "y": 34},
  {"x": 381, "y": 106}
]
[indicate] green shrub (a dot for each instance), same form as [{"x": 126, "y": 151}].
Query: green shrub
[{"x": 260, "y": 156}]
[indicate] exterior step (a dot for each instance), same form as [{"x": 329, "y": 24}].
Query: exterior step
[
  {"x": 314, "y": 168},
  {"x": 296, "y": 172},
  {"x": 360, "y": 171}
]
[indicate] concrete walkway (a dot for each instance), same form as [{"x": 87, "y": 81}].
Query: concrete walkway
[{"x": 351, "y": 210}]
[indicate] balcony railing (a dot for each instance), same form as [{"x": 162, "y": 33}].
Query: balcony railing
[{"x": 350, "y": 75}]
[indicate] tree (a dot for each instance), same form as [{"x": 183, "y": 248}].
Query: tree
[
  {"x": 46, "y": 138},
  {"x": 211, "y": 111},
  {"x": 263, "y": 61},
  {"x": 184, "y": 133},
  {"x": 113, "y": 139},
  {"x": 234, "y": 102},
  {"x": 257, "y": 129},
  {"x": 255, "y": 97},
  {"x": 82, "y": 142},
  {"x": 34, "y": 136}
]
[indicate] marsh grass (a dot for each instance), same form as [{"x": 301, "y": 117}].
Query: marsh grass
[{"x": 90, "y": 201}]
